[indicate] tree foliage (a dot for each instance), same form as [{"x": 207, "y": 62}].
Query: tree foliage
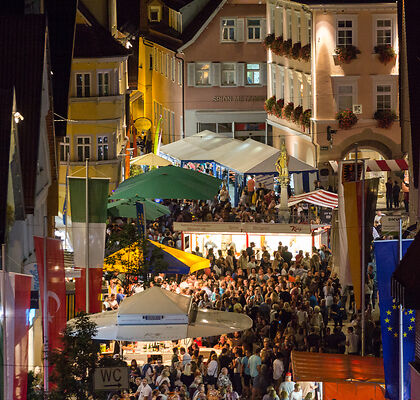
[{"x": 74, "y": 365}]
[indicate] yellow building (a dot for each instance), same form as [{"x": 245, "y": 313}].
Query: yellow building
[{"x": 96, "y": 126}]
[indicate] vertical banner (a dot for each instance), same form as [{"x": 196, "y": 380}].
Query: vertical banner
[
  {"x": 56, "y": 287},
  {"x": 16, "y": 299},
  {"x": 97, "y": 196},
  {"x": 387, "y": 259},
  {"x": 141, "y": 220},
  {"x": 158, "y": 135}
]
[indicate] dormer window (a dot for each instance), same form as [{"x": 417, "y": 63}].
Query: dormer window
[{"x": 155, "y": 13}]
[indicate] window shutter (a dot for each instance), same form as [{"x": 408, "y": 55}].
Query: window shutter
[
  {"x": 263, "y": 28},
  {"x": 240, "y": 29},
  {"x": 240, "y": 74},
  {"x": 263, "y": 70},
  {"x": 215, "y": 74},
  {"x": 191, "y": 74}
]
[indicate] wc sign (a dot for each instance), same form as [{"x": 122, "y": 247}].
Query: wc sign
[{"x": 115, "y": 378}]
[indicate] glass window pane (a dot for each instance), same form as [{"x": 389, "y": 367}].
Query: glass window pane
[{"x": 224, "y": 127}]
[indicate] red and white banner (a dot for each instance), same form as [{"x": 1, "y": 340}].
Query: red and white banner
[
  {"x": 322, "y": 198},
  {"x": 386, "y": 165},
  {"x": 17, "y": 299},
  {"x": 95, "y": 289},
  {"x": 56, "y": 287}
]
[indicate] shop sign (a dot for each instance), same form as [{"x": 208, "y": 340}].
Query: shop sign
[
  {"x": 230, "y": 99},
  {"x": 110, "y": 379},
  {"x": 233, "y": 227},
  {"x": 390, "y": 223}
]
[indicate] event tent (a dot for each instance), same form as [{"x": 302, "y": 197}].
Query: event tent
[
  {"x": 247, "y": 157},
  {"x": 320, "y": 197}
]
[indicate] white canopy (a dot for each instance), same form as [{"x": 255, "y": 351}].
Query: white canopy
[{"x": 246, "y": 157}]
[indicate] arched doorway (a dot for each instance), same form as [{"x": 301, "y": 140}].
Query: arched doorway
[{"x": 367, "y": 153}]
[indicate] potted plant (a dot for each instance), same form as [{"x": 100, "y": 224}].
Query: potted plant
[
  {"x": 305, "y": 118},
  {"x": 296, "y": 114},
  {"x": 268, "y": 41},
  {"x": 287, "y": 110},
  {"x": 385, "y": 53},
  {"x": 295, "y": 52},
  {"x": 305, "y": 52},
  {"x": 278, "y": 107},
  {"x": 345, "y": 54},
  {"x": 385, "y": 118},
  {"x": 287, "y": 47},
  {"x": 277, "y": 45},
  {"x": 269, "y": 104},
  {"x": 346, "y": 119}
]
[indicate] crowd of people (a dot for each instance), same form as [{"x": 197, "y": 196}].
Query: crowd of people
[{"x": 295, "y": 302}]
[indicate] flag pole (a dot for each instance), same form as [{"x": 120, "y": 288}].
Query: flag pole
[
  {"x": 3, "y": 304},
  {"x": 363, "y": 260},
  {"x": 87, "y": 236},
  {"x": 45, "y": 311},
  {"x": 401, "y": 328}
]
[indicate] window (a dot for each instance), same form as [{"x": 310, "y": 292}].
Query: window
[
  {"x": 224, "y": 127},
  {"x": 228, "y": 74},
  {"x": 344, "y": 33},
  {"x": 383, "y": 97},
  {"x": 202, "y": 74},
  {"x": 156, "y": 58},
  {"x": 254, "y": 29},
  {"x": 298, "y": 26},
  {"x": 103, "y": 83},
  {"x": 154, "y": 13},
  {"x": 253, "y": 74},
  {"x": 301, "y": 89},
  {"x": 309, "y": 22},
  {"x": 82, "y": 85},
  {"x": 65, "y": 148},
  {"x": 291, "y": 88},
  {"x": 273, "y": 79},
  {"x": 272, "y": 18},
  {"x": 282, "y": 79},
  {"x": 179, "y": 72},
  {"x": 167, "y": 66},
  {"x": 345, "y": 97},
  {"x": 228, "y": 30},
  {"x": 162, "y": 62},
  {"x": 173, "y": 69},
  {"x": 83, "y": 148},
  {"x": 206, "y": 126},
  {"x": 384, "y": 32},
  {"x": 103, "y": 148},
  {"x": 150, "y": 62},
  {"x": 172, "y": 125},
  {"x": 289, "y": 24},
  {"x": 281, "y": 22}
]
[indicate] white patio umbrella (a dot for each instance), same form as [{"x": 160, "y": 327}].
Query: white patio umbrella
[
  {"x": 157, "y": 315},
  {"x": 150, "y": 159}
]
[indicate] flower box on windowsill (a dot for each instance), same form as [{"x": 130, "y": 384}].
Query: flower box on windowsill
[{"x": 345, "y": 55}]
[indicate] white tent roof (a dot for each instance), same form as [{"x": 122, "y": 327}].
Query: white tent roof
[
  {"x": 247, "y": 157},
  {"x": 155, "y": 301}
]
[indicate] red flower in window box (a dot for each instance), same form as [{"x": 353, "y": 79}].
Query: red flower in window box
[{"x": 346, "y": 119}]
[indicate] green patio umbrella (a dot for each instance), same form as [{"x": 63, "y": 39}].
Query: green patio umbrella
[
  {"x": 127, "y": 209},
  {"x": 169, "y": 183}
]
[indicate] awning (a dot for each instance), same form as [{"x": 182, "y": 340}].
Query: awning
[
  {"x": 323, "y": 367},
  {"x": 406, "y": 279},
  {"x": 320, "y": 197},
  {"x": 386, "y": 165}
]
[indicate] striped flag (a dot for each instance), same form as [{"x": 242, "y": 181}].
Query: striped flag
[
  {"x": 15, "y": 301},
  {"x": 97, "y": 210}
]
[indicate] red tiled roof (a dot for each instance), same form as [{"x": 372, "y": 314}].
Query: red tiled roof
[{"x": 22, "y": 48}]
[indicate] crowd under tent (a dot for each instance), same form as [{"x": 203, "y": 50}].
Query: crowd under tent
[
  {"x": 235, "y": 161},
  {"x": 341, "y": 377}
]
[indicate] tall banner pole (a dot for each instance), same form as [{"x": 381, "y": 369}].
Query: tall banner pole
[
  {"x": 363, "y": 199},
  {"x": 45, "y": 311},
  {"x": 87, "y": 236},
  {"x": 400, "y": 328}
]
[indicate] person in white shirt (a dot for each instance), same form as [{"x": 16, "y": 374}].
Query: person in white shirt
[
  {"x": 185, "y": 357},
  {"x": 297, "y": 393},
  {"x": 352, "y": 342},
  {"x": 144, "y": 391},
  {"x": 278, "y": 369}
]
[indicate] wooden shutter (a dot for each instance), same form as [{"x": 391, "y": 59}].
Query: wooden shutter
[
  {"x": 263, "y": 28},
  {"x": 263, "y": 74},
  {"x": 240, "y": 74},
  {"x": 215, "y": 79},
  {"x": 240, "y": 29},
  {"x": 191, "y": 74}
]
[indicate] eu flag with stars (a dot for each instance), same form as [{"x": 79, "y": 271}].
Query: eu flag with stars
[{"x": 387, "y": 259}]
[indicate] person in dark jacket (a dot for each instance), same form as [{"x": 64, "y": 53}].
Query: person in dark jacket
[
  {"x": 396, "y": 194},
  {"x": 388, "y": 186}
]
